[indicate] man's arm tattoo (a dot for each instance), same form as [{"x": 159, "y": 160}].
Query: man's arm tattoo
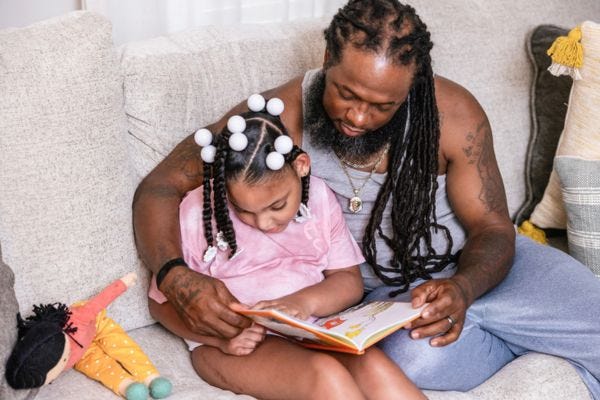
[
  {"x": 186, "y": 158},
  {"x": 185, "y": 292},
  {"x": 480, "y": 152}
]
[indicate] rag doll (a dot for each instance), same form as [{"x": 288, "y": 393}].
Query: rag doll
[{"x": 58, "y": 337}]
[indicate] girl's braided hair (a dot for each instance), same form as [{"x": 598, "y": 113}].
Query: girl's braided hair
[{"x": 249, "y": 165}]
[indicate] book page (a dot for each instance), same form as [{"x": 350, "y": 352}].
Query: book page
[
  {"x": 365, "y": 323},
  {"x": 357, "y": 327}
]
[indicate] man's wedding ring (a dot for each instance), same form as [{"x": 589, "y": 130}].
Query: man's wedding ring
[{"x": 451, "y": 321}]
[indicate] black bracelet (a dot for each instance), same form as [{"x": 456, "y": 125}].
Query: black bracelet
[{"x": 169, "y": 265}]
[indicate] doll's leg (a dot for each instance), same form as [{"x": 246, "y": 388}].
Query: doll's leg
[
  {"x": 277, "y": 369},
  {"x": 120, "y": 346},
  {"x": 98, "y": 365}
]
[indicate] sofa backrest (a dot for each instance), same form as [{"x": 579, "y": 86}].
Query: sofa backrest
[{"x": 178, "y": 83}]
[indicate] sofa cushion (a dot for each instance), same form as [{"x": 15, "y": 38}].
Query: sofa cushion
[
  {"x": 581, "y": 134},
  {"x": 549, "y": 96},
  {"x": 532, "y": 376},
  {"x": 580, "y": 185},
  {"x": 67, "y": 185},
  {"x": 176, "y": 84}
]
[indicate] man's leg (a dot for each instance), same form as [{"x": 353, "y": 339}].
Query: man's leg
[
  {"x": 462, "y": 365},
  {"x": 548, "y": 303}
]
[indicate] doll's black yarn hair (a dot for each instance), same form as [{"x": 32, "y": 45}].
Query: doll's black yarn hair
[{"x": 40, "y": 343}]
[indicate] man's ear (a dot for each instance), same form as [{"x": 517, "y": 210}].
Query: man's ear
[{"x": 302, "y": 165}]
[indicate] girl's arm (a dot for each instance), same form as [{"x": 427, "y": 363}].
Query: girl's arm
[{"x": 340, "y": 289}]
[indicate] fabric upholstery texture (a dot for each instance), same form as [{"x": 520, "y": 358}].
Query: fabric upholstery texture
[
  {"x": 580, "y": 185},
  {"x": 67, "y": 185},
  {"x": 581, "y": 134},
  {"x": 8, "y": 334},
  {"x": 549, "y": 97}
]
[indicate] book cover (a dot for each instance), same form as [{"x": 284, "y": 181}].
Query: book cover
[{"x": 350, "y": 331}]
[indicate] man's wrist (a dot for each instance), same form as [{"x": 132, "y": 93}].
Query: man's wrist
[
  {"x": 167, "y": 267},
  {"x": 464, "y": 285}
]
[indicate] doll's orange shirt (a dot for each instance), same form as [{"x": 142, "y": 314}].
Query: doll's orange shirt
[{"x": 84, "y": 318}]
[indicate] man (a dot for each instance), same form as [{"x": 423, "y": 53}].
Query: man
[{"x": 410, "y": 157}]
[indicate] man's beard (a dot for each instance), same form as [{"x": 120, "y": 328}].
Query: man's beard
[
  {"x": 324, "y": 135},
  {"x": 351, "y": 148}
]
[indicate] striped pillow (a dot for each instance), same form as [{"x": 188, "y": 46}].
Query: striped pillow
[{"x": 580, "y": 185}]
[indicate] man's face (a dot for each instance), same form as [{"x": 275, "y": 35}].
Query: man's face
[{"x": 363, "y": 92}]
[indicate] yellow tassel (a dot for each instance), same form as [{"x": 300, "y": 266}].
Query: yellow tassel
[
  {"x": 530, "y": 230},
  {"x": 567, "y": 54}
]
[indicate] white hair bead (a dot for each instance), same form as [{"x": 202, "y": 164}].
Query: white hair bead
[
  {"x": 208, "y": 154},
  {"x": 284, "y": 144},
  {"x": 275, "y": 106},
  {"x": 275, "y": 161},
  {"x": 238, "y": 141},
  {"x": 203, "y": 137},
  {"x": 256, "y": 102},
  {"x": 236, "y": 124}
]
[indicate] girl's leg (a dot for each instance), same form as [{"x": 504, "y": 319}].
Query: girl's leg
[
  {"x": 277, "y": 369},
  {"x": 378, "y": 376}
]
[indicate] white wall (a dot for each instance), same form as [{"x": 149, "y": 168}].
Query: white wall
[{"x": 18, "y": 13}]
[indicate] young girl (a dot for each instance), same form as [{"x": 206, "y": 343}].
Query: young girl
[{"x": 277, "y": 239}]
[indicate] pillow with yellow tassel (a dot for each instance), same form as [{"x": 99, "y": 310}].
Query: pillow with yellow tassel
[
  {"x": 549, "y": 96},
  {"x": 577, "y": 55}
]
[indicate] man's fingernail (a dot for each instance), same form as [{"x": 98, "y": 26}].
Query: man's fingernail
[
  {"x": 426, "y": 314},
  {"x": 415, "y": 335},
  {"x": 407, "y": 326}
]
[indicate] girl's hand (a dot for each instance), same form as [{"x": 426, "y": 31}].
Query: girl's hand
[
  {"x": 244, "y": 343},
  {"x": 285, "y": 305}
]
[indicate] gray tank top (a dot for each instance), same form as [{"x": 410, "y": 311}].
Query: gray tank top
[{"x": 326, "y": 165}]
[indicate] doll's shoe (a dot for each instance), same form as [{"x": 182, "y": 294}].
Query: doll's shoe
[
  {"x": 160, "y": 388},
  {"x": 136, "y": 391}
]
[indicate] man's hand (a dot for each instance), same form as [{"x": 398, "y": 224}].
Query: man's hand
[
  {"x": 203, "y": 303},
  {"x": 244, "y": 343},
  {"x": 447, "y": 299}
]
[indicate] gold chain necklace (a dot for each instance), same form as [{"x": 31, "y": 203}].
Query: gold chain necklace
[{"x": 355, "y": 204}]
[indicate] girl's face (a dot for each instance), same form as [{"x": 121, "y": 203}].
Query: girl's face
[{"x": 269, "y": 205}]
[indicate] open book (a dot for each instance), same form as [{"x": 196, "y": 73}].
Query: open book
[{"x": 350, "y": 331}]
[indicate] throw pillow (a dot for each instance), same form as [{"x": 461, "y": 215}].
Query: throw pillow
[
  {"x": 8, "y": 334},
  {"x": 549, "y": 96},
  {"x": 580, "y": 184},
  {"x": 581, "y": 134},
  {"x": 67, "y": 184}
]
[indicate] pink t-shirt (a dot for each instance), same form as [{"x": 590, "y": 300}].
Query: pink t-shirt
[{"x": 271, "y": 265}]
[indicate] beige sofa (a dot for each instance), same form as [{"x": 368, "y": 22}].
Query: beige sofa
[{"x": 81, "y": 122}]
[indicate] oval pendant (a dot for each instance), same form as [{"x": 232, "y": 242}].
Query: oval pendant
[{"x": 355, "y": 204}]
